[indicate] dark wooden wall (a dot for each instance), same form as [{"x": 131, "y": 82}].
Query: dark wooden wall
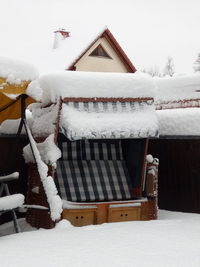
[
  {"x": 11, "y": 160},
  {"x": 179, "y": 174}
]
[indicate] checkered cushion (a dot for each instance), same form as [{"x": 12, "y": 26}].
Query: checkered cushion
[
  {"x": 93, "y": 171},
  {"x": 91, "y": 150},
  {"x": 94, "y": 180}
]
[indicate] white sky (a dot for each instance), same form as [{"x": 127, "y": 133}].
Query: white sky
[{"x": 148, "y": 30}]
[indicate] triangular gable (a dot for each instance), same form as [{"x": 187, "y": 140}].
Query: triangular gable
[{"x": 114, "y": 44}]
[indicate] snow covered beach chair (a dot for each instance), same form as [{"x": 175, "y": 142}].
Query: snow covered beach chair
[
  {"x": 9, "y": 203},
  {"x": 102, "y": 123}
]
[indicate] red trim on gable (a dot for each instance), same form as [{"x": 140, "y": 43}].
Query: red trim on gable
[
  {"x": 72, "y": 68},
  {"x": 115, "y": 45},
  {"x": 113, "y": 42}
]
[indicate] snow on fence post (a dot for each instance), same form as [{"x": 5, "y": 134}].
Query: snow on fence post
[{"x": 152, "y": 184}]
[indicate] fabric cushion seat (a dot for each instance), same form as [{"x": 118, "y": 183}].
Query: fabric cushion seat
[
  {"x": 93, "y": 171},
  {"x": 93, "y": 180}
]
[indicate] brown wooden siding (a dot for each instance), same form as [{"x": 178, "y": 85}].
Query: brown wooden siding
[{"x": 179, "y": 174}]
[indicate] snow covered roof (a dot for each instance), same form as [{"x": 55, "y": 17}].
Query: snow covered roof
[
  {"x": 77, "y": 44},
  {"x": 15, "y": 71},
  {"x": 95, "y": 84},
  {"x": 180, "y": 91},
  {"x": 179, "y": 122},
  {"x": 71, "y": 48},
  {"x": 178, "y": 105}
]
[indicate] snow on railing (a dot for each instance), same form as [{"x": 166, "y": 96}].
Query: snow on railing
[{"x": 55, "y": 202}]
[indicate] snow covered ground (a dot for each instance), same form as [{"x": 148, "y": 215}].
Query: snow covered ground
[{"x": 172, "y": 241}]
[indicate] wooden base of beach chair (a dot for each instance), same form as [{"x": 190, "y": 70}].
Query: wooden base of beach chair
[{"x": 87, "y": 214}]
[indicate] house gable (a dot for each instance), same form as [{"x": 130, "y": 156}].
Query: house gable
[{"x": 116, "y": 61}]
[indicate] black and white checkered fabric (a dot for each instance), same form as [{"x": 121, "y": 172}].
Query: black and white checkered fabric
[
  {"x": 108, "y": 106},
  {"x": 91, "y": 150},
  {"x": 93, "y": 171}
]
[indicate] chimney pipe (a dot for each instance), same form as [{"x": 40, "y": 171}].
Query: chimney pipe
[{"x": 60, "y": 35}]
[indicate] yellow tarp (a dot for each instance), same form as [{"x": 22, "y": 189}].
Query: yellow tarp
[
  {"x": 15, "y": 89},
  {"x": 11, "y": 108}
]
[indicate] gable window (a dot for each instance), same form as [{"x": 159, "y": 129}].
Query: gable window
[{"x": 99, "y": 51}]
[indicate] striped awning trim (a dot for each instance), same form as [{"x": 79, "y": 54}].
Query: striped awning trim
[
  {"x": 108, "y": 120},
  {"x": 109, "y": 106},
  {"x": 107, "y": 99}
]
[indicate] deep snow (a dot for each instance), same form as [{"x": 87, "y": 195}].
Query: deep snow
[
  {"x": 172, "y": 241},
  {"x": 95, "y": 84},
  {"x": 16, "y": 71}
]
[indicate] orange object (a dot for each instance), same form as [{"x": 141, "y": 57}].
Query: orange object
[{"x": 11, "y": 99}]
